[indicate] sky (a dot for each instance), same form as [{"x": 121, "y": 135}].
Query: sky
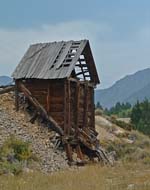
[{"x": 118, "y": 31}]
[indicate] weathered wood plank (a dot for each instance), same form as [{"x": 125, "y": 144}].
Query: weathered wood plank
[
  {"x": 7, "y": 89},
  {"x": 77, "y": 98},
  {"x": 65, "y": 108},
  {"x": 69, "y": 106}
]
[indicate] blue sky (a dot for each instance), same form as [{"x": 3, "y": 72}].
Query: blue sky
[{"x": 119, "y": 31}]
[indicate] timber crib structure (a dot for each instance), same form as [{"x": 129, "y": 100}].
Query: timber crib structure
[{"x": 58, "y": 79}]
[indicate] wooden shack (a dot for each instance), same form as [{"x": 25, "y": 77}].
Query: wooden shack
[{"x": 61, "y": 76}]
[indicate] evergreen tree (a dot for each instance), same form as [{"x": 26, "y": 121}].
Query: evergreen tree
[
  {"x": 136, "y": 113},
  {"x": 98, "y": 106},
  {"x": 140, "y": 116},
  {"x": 119, "y": 109}
]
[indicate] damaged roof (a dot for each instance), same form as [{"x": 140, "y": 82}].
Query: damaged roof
[{"x": 56, "y": 60}]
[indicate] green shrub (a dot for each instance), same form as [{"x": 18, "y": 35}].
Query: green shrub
[
  {"x": 16, "y": 147},
  {"x": 7, "y": 167},
  {"x": 14, "y": 155}
]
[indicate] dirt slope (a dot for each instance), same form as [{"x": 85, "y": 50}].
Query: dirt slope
[{"x": 17, "y": 123}]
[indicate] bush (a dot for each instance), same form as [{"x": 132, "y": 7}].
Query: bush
[
  {"x": 14, "y": 155},
  {"x": 7, "y": 167},
  {"x": 17, "y": 148}
]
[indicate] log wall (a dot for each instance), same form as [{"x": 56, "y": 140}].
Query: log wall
[
  {"x": 71, "y": 104},
  {"x": 82, "y": 105},
  {"x": 50, "y": 95}
]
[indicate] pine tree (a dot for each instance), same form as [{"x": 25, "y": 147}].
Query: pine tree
[
  {"x": 136, "y": 114},
  {"x": 98, "y": 105}
]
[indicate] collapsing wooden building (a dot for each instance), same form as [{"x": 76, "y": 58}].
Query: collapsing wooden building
[{"x": 61, "y": 77}]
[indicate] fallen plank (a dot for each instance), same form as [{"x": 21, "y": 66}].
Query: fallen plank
[{"x": 7, "y": 89}]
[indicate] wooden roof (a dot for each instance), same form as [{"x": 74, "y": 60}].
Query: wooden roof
[{"x": 56, "y": 60}]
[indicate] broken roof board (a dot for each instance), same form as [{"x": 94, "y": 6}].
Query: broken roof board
[{"x": 48, "y": 61}]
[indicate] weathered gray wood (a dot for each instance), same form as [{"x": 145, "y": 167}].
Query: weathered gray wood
[
  {"x": 63, "y": 55},
  {"x": 53, "y": 60},
  {"x": 7, "y": 89},
  {"x": 46, "y": 71},
  {"x": 76, "y": 57}
]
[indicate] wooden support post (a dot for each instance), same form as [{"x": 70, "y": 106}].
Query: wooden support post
[
  {"x": 85, "y": 116},
  {"x": 93, "y": 109},
  {"x": 69, "y": 107},
  {"x": 48, "y": 99},
  {"x": 69, "y": 152},
  {"x": 77, "y": 96},
  {"x": 79, "y": 153},
  {"x": 65, "y": 108},
  {"x": 16, "y": 96}
]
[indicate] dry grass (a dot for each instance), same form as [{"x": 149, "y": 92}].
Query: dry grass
[{"x": 135, "y": 177}]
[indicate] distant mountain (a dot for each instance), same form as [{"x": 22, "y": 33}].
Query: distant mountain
[
  {"x": 5, "y": 80},
  {"x": 129, "y": 89}
]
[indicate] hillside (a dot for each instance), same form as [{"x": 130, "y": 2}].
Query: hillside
[
  {"x": 128, "y": 89},
  {"x": 41, "y": 138},
  {"x": 140, "y": 95},
  {"x": 5, "y": 80},
  {"x": 123, "y": 145}
]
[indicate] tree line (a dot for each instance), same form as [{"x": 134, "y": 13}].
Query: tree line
[
  {"x": 139, "y": 113},
  {"x": 140, "y": 116},
  {"x": 120, "y": 109}
]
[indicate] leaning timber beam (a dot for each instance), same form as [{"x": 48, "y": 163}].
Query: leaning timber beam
[
  {"x": 7, "y": 89},
  {"x": 40, "y": 110}
]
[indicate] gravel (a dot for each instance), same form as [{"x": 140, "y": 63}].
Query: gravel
[{"x": 17, "y": 123}]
